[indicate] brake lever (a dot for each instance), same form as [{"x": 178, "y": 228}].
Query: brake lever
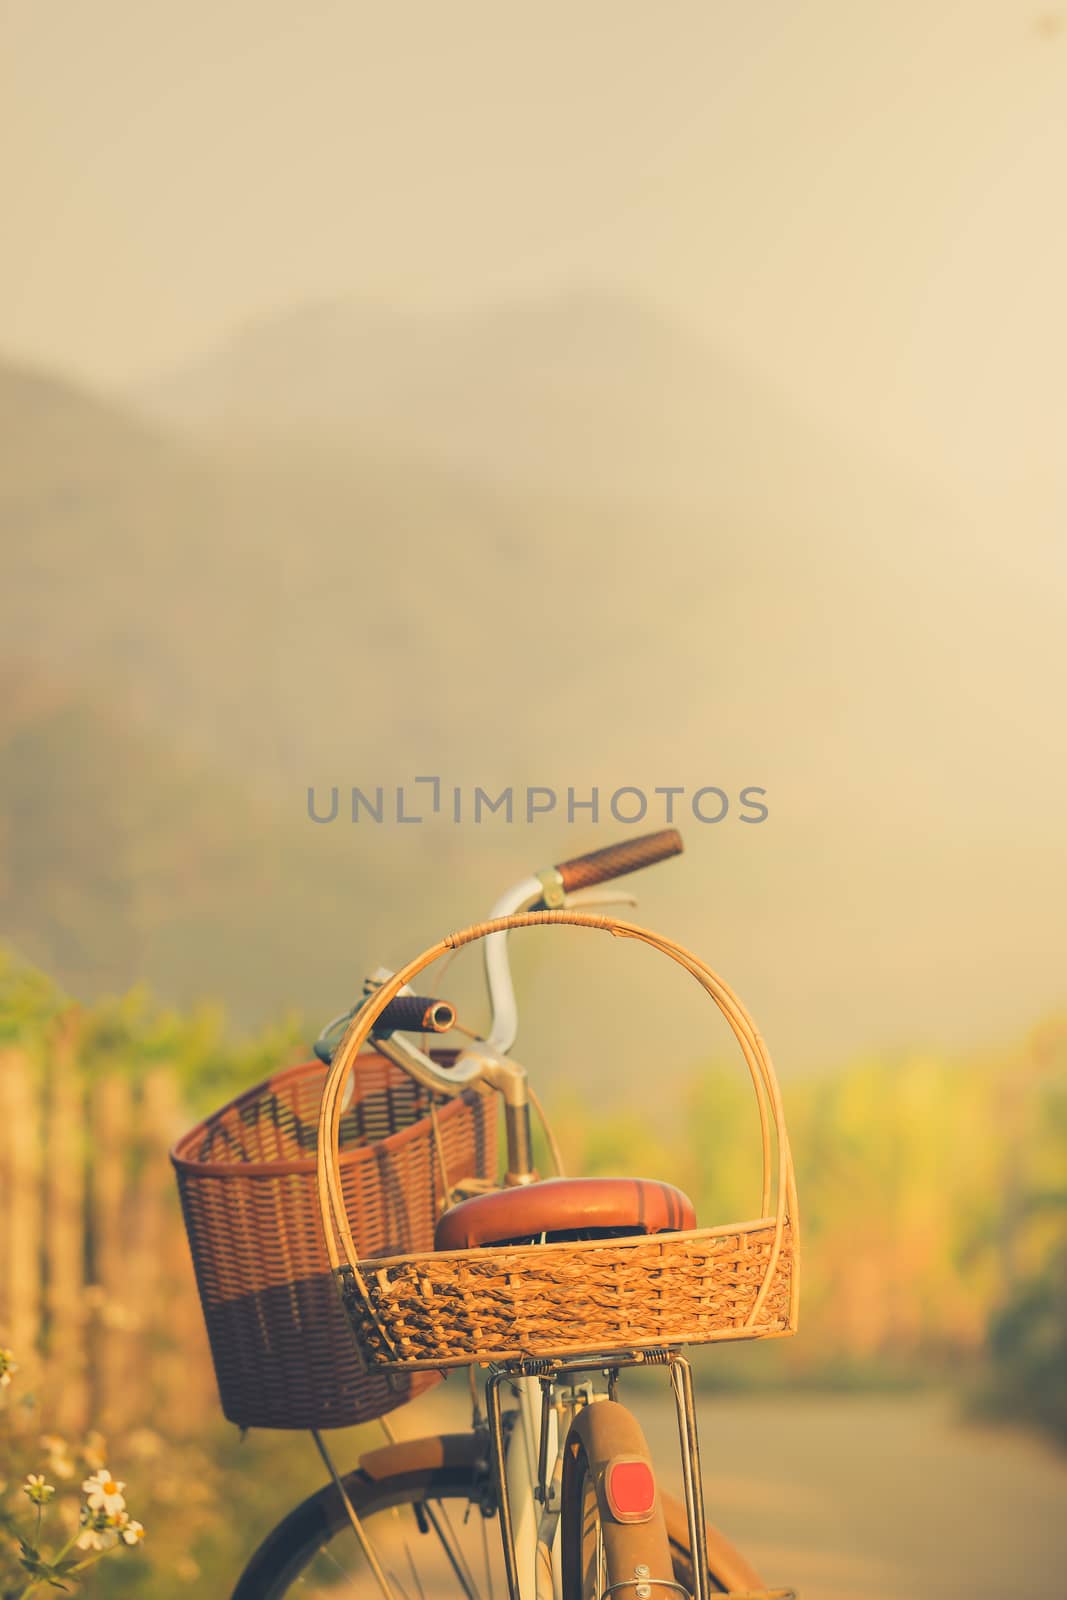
[{"x": 598, "y": 895}]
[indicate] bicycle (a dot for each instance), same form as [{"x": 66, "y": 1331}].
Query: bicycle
[{"x": 552, "y": 1455}]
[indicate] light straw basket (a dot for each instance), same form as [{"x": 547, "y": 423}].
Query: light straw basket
[{"x": 542, "y": 1301}]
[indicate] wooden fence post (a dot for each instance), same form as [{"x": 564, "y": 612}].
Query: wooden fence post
[
  {"x": 97, "y": 1296},
  {"x": 161, "y": 1289},
  {"x": 114, "y": 1369},
  {"x": 64, "y": 1227},
  {"x": 20, "y": 1200}
]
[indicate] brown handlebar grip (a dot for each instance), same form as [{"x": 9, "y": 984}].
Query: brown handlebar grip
[{"x": 616, "y": 860}]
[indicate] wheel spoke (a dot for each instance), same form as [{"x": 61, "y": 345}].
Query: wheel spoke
[
  {"x": 396, "y": 1583},
  {"x": 414, "y": 1570},
  {"x": 452, "y": 1549},
  {"x": 485, "y": 1557},
  {"x": 345, "y": 1570}
]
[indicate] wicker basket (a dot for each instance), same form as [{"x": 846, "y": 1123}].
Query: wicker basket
[
  {"x": 283, "y": 1350},
  {"x": 419, "y": 1311}
]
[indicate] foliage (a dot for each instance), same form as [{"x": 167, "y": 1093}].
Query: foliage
[
  {"x": 130, "y": 1034},
  {"x": 1028, "y": 1351},
  {"x": 1028, "y": 1332},
  {"x": 52, "y": 1538}
]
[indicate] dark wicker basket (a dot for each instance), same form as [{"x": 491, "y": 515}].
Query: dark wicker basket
[{"x": 283, "y": 1349}]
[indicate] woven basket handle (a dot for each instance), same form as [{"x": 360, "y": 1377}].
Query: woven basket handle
[{"x": 764, "y": 1080}]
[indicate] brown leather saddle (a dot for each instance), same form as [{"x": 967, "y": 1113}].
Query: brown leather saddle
[{"x": 565, "y": 1208}]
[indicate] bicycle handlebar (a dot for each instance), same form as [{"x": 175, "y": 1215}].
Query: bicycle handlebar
[
  {"x": 616, "y": 860},
  {"x": 413, "y": 1013},
  {"x": 409, "y": 1013}
]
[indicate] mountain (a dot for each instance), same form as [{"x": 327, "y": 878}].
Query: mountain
[
  {"x": 296, "y": 610},
  {"x": 586, "y": 391}
]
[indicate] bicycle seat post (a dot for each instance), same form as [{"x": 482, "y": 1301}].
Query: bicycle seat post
[{"x": 509, "y": 1079}]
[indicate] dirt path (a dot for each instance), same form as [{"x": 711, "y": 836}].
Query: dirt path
[
  {"x": 862, "y": 1498},
  {"x": 880, "y": 1499}
]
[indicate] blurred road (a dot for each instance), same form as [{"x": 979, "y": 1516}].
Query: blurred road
[{"x": 869, "y": 1498}]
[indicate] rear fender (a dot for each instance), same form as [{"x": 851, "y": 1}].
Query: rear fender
[
  {"x": 415, "y": 1457},
  {"x": 636, "y": 1551}
]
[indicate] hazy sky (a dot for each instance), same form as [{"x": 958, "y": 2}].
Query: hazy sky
[{"x": 865, "y": 200}]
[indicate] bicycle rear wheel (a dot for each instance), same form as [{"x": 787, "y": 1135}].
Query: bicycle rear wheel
[{"x": 426, "y": 1520}]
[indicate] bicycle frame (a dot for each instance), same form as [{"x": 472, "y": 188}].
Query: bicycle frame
[{"x": 527, "y": 1455}]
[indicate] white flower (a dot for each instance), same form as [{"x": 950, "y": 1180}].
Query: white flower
[
  {"x": 92, "y": 1538},
  {"x": 39, "y": 1491},
  {"x": 132, "y": 1532},
  {"x": 103, "y": 1493}
]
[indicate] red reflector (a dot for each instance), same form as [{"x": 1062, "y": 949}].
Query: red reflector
[{"x": 631, "y": 1488}]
